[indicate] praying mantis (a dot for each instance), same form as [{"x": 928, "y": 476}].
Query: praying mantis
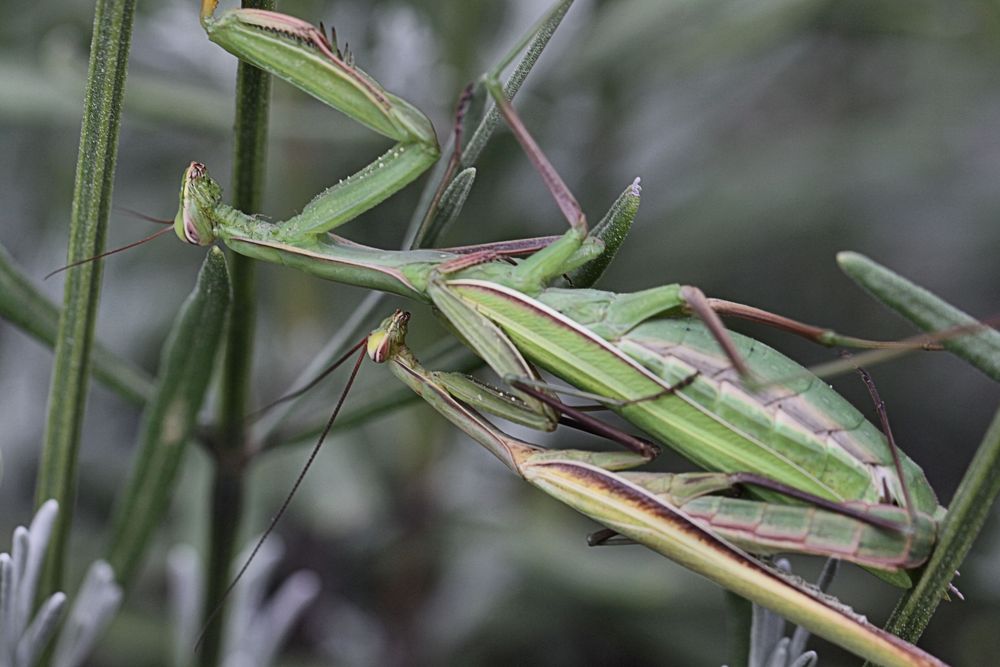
[
  {"x": 684, "y": 381},
  {"x": 675, "y": 515}
]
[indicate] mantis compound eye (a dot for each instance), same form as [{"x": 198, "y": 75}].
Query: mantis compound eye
[{"x": 190, "y": 230}]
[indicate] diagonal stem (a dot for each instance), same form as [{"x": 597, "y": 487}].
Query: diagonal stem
[{"x": 966, "y": 517}]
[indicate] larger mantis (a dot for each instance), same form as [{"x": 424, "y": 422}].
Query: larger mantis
[{"x": 667, "y": 376}]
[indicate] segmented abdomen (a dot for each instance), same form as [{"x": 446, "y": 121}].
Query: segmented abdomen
[
  {"x": 770, "y": 528},
  {"x": 792, "y": 410}
]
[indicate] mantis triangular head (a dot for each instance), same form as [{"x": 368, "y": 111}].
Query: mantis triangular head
[{"x": 200, "y": 195}]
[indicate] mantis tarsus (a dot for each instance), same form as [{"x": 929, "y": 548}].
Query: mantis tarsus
[{"x": 801, "y": 435}]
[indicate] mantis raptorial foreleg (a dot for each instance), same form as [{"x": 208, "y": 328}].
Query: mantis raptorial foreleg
[
  {"x": 679, "y": 516},
  {"x": 301, "y": 54}
]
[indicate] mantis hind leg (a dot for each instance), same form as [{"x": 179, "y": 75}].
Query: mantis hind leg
[
  {"x": 709, "y": 311},
  {"x": 567, "y": 203},
  {"x": 612, "y": 315},
  {"x": 536, "y": 271}
]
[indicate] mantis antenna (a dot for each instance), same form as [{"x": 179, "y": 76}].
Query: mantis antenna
[{"x": 295, "y": 487}]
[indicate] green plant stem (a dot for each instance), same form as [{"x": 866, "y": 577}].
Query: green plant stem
[
  {"x": 739, "y": 615},
  {"x": 95, "y": 168},
  {"x": 253, "y": 89},
  {"x": 968, "y": 512}
]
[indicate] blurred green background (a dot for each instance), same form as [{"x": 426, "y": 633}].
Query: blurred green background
[{"x": 768, "y": 135}]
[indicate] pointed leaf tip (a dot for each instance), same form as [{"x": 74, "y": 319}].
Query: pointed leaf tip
[
  {"x": 612, "y": 230},
  {"x": 981, "y": 348},
  {"x": 184, "y": 373}
]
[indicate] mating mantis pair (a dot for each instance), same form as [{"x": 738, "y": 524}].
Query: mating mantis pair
[{"x": 679, "y": 379}]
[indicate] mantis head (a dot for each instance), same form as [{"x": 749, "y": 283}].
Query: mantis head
[
  {"x": 383, "y": 341},
  {"x": 200, "y": 195}
]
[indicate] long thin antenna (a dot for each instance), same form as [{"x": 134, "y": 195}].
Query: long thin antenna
[
  {"x": 257, "y": 414},
  {"x": 110, "y": 252},
  {"x": 143, "y": 216},
  {"x": 285, "y": 504}
]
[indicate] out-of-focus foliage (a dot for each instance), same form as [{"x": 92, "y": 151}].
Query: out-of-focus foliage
[{"x": 768, "y": 135}]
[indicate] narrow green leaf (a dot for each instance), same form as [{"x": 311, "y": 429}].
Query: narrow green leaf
[
  {"x": 612, "y": 229},
  {"x": 533, "y": 44},
  {"x": 968, "y": 512},
  {"x": 185, "y": 369},
  {"x": 981, "y": 347},
  {"x": 109, "y": 48},
  {"x": 31, "y": 311},
  {"x": 451, "y": 203}
]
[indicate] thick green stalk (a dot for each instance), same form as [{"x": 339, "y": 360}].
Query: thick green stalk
[
  {"x": 253, "y": 89},
  {"x": 739, "y": 615},
  {"x": 95, "y": 168}
]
